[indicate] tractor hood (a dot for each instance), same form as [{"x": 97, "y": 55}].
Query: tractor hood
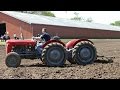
[{"x": 21, "y": 42}]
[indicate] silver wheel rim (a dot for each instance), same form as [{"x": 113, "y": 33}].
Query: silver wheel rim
[
  {"x": 12, "y": 61},
  {"x": 85, "y": 54},
  {"x": 55, "y": 55}
]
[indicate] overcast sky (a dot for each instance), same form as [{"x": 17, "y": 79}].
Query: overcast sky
[{"x": 104, "y": 17}]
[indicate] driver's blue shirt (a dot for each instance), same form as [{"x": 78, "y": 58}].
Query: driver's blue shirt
[{"x": 45, "y": 36}]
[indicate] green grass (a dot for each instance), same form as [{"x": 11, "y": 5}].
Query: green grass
[
  {"x": 94, "y": 40},
  {"x": 2, "y": 43},
  {"x": 65, "y": 40}
]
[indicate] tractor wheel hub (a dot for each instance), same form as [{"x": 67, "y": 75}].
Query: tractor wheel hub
[{"x": 85, "y": 53}]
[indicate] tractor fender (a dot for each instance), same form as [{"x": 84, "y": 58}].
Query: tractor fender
[
  {"x": 73, "y": 42},
  {"x": 51, "y": 41}
]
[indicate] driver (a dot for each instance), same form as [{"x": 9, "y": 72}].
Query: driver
[{"x": 43, "y": 38}]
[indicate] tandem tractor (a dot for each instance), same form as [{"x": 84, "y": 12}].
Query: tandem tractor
[{"x": 52, "y": 53}]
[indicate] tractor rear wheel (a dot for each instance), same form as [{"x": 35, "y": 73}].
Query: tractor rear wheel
[
  {"x": 13, "y": 60},
  {"x": 54, "y": 54},
  {"x": 84, "y": 53}
]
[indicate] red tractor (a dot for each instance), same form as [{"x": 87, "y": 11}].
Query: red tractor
[{"x": 54, "y": 52}]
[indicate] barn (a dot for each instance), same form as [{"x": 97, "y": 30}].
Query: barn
[{"x": 31, "y": 25}]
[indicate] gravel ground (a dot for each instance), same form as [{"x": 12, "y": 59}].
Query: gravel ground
[{"x": 100, "y": 69}]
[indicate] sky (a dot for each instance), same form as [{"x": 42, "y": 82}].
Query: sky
[{"x": 103, "y": 17}]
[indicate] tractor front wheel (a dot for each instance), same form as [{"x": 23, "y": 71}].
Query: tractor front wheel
[{"x": 13, "y": 60}]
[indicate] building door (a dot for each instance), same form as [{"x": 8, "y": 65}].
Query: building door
[{"x": 2, "y": 28}]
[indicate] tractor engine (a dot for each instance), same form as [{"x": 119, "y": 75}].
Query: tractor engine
[
  {"x": 25, "y": 48},
  {"x": 25, "y": 52}
]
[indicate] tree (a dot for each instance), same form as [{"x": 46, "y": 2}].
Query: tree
[
  {"x": 77, "y": 17},
  {"x": 45, "y": 13},
  {"x": 81, "y": 18},
  {"x": 31, "y": 12},
  {"x": 116, "y": 23},
  {"x": 89, "y": 20}
]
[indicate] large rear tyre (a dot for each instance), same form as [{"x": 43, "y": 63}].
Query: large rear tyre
[
  {"x": 13, "y": 60},
  {"x": 54, "y": 54},
  {"x": 84, "y": 53}
]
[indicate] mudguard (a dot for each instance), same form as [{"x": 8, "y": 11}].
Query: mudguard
[
  {"x": 73, "y": 42},
  {"x": 51, "y": 41}
]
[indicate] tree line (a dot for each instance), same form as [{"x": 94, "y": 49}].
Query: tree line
[
  {"x": 45, "y": 13},
  {"x": 49, "y": 13},
  {"x": 76, "y": 17}
]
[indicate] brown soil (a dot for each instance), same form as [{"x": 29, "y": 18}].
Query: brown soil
[{"x": 100, "y": 69}]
